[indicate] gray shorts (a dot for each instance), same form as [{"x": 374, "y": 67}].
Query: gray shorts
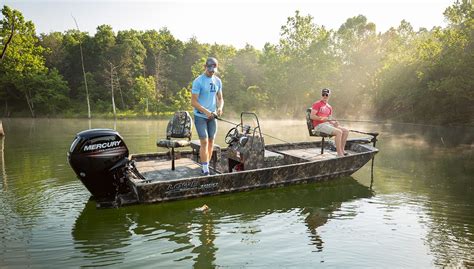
[
  {"x": 205, "y": 128},
  {"x": 325, "y": 127}
]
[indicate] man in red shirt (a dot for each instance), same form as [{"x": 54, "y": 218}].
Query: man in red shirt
[{"x": 321, "y": 113}]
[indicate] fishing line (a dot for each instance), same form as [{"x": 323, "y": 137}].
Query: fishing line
[
  {"x": 374, "y": 134},
  {"x": 233, "y": 123},
  {"x": 291, "y": 143}
]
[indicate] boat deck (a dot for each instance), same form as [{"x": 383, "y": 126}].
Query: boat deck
[
  {"x": 160, "y": 170},
  {"x": 312, "y": 154}
]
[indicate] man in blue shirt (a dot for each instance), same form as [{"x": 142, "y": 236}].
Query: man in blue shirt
[{"x": 207, "y": 100}]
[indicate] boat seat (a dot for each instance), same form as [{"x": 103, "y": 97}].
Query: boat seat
[
  {"x": 312, "y": 132},
  {"x": 178, "y": 134}
]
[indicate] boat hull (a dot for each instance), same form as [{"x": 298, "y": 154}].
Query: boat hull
[{"x": 268, "y": 177}]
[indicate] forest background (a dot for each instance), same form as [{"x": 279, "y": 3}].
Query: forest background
[{"x": 402, "y": 75}]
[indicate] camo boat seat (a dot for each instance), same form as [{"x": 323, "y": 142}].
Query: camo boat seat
[
  {"x": 180, "y": 126},
  {"x": 313, "y": 132}
]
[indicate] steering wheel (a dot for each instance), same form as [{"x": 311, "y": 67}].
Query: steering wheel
[{"x": 231, "y": 135}]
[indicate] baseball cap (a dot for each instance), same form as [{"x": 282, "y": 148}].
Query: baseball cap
[
  {"x": 211, "y": 64},
  {"x": 326, "y": 90}
]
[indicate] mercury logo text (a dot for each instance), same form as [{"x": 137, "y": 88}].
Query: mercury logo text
[{"x": 102, "y": 145}]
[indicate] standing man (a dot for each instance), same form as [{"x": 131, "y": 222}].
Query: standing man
[
  {"x": 321, "y": 113},
  {"x": 207, "y": 101}
]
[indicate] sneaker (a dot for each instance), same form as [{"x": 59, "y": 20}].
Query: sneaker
[{"x": 205, "y": 173}]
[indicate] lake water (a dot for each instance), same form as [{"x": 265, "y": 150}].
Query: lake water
[{"x": 418, "y": 212}]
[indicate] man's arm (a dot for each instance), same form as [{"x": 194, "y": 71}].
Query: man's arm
[
  {"x": 220, "y": 103},
  {"x": 314, "y": 116}
]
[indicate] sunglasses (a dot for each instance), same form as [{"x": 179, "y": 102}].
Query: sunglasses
[
  {"x": 211, "y": 65},
  {"x": 326, "y": 94}
]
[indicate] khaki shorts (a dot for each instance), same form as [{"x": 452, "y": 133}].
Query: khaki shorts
[{"x": 325, "y": 127}]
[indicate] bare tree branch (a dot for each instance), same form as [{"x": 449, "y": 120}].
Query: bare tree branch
[{"x": 8, "y": 41}]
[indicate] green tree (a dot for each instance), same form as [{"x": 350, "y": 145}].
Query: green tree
[
  {"x": 144, "y": 93},
  {"x": 129, "y": 54},
  {"x": 291, "y": 68},
  {"x": 357, "y": 47},
  {"x": 23, "y": 65}
]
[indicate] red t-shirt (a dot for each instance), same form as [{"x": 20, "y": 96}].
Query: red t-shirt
[{"x": 322, "y": 110}]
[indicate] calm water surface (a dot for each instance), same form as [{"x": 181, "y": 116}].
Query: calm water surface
[{"x": 417, "y": 212}]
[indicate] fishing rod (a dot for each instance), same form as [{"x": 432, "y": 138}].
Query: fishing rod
[
  {"x": 373, "y": 134},
  {"x": 398, "y": 122},
  {"x": 236, "y": 124}
]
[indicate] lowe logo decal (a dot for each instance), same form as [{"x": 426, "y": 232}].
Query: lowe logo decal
[{"x": 102, "y": 145}]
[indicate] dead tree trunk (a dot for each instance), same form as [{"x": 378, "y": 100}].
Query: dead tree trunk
[
  {"x": 84, "y": 74},
  {"x": 30, "y": 103},
  {"x": 112, "y": 88}
]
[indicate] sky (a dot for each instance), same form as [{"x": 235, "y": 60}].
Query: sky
[{"x": 225, "y": 22}]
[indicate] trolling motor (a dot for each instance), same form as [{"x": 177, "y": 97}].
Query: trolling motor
[{"x": 99, "y": 157}]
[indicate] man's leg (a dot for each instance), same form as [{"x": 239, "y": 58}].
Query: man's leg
[
  {"x": 203, "y": 151},
  {"x": 338, "y": 139},
  {"x": 210, "y": 147},
  {"x": 345, "y": 134},
  {"x": 204, "y": 155},
  {"x": 211, "y": 130},
  {"x": 201, "y": 128}
]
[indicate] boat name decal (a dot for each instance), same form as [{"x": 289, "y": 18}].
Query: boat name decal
[
  {"x": 102, "y": 145},
  {"x": 192, "y": 185}
]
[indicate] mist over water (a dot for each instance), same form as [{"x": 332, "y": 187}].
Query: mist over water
[{"x": 418, "y": 212}]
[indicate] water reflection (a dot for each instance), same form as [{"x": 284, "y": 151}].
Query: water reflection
[
  {"x": 206, "y": 251},
  {"x": 314, "y": 219},
  {"x": 176, "y": 232},
  {"x": 101, "y": 234},
  {"x": 434, "y": 167}
]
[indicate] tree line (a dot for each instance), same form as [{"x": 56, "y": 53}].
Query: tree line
[{"x": 407, "y": 75}]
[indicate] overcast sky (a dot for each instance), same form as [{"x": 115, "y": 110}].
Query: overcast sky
[{"x": 224, "y": 22}]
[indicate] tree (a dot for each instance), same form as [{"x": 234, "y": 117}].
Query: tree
[
  {"x": 357, "y": 47},
  {"x": 144, "y": 93},
  {"x": 55, "y": 52},
  {"x": 23, "y": 60},
  {"x": 291, "y": 69},
  {"x": 128, "y": 53},
  {"x": 8, "y": 40}
]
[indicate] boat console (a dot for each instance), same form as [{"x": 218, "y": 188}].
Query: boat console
[{"x": 246, "y": 148}]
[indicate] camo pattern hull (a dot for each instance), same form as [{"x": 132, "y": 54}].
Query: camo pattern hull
[{"x": 294, "y": 172}]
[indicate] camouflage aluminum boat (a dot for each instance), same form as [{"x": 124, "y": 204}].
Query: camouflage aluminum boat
[{"x": 245, "y": 164}]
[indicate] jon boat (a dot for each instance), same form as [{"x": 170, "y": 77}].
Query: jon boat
[{"x": 102, "y": 162}]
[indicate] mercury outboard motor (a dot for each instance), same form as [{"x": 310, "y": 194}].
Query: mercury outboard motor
[{"x": 99, "y": 157}]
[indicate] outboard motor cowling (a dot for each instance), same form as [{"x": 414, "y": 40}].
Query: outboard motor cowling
[{"x": 99, "y": 157}]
